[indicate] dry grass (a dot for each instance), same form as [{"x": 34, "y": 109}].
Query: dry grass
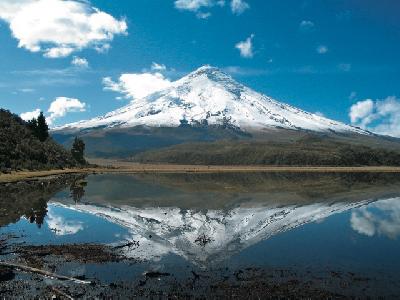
[{"x": 114, "y": 166}]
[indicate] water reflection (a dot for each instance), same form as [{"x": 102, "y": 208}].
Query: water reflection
[
  {"x": 209, "y": 236},
  {"x": 381, "y": 218},
  {"x": 29, "y": 200},
  {"x": 77, "y": 189},
  {"x": 202, "y": 218},
  {"x": 38, "y": 212},
  {"x": 60, "y": 226},
  {"x": 207, "y": 218},
  {"x": 226, "y": 191}
]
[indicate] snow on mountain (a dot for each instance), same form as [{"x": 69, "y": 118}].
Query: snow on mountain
[
  {"x": 208, "y": 96},
  {"x": 207, "y": 236}
]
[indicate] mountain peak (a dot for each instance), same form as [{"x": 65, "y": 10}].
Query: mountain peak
[
  {"x": 210, "y": 96},
  {"x": 206, "y": 69},
  {"x": 213, "y": 73}
]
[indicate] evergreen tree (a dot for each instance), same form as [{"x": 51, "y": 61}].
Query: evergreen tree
[
  {"x": 32, "y": 125},
  {"x": 78, "y": 150},
  {"x": 42, "y": 128}
]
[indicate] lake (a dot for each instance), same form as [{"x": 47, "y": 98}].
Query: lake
[{"x": 232, "y": 235}]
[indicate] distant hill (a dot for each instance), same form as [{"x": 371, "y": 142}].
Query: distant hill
[
  {"x": 20, "y": 149},
  {"x": 307, "y": 151}
]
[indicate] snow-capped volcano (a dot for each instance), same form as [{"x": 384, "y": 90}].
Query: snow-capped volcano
[
  {"x": 207, "y": 236},
  {"x": 208, "y": 96}
]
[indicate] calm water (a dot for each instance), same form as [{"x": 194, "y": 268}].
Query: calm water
[{"x": 346, "y": 223}]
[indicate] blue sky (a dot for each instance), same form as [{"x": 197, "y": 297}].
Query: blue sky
[{"x": 330, "y": 57}]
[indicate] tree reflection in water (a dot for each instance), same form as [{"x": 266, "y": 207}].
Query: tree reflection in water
[
  {"x": 38, "y": 212},
  {"x": 78, "y": 190},
  {"x": 29, "y": 199}
]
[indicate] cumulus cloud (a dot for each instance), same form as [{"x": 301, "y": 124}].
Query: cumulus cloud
[
  {"x": 246, "y": 47},
  {"x": 361, "y": 112},
  {"x": 58, "y": 109},
  {"x": 380, "y": 218},
  {"x": 71, "y": 26},
  {"x": 63, "y": 105},
  {"x": 363, "y": 222},
  {"x": 193, "y": 5},
  {"x": 198, "y": 6},
  {"x": 239, "y": 6},
  {"x": 60, "y": 225},
  {"x": 322, "y": 49},
  {"x": 30, "y": 115},
  {"x": 379, "y": 116},
  {"x": 80, "y": 62},
  {"x": 306, "y": 26},
  {"x": 158, "y": 67},
  {"x": 136, "y": 86}
]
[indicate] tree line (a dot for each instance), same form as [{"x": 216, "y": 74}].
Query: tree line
[
  {"x": 40, "y": 129},
  {"x": 28, "y": 145}
]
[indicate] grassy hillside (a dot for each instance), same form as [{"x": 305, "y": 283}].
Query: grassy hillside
[
  {"x": 124, "y": 142},
  {"x": 21, "y": 149},
  {"x": 227, "y": 145},
  {"x": 307, "y": 151}
]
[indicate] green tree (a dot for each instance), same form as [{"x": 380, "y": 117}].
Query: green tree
[
  {"x": 32, "y": 125},
  {"x": 78, "y": 150},
  {"x": 42, "y": 128}
]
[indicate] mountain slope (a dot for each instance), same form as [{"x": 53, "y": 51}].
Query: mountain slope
[{"x": 207, "y": 96}]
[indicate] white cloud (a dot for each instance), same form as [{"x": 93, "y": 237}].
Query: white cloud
[
  {"x": 239, "y": 6},
  {"x": 30, "y": 115},
  {"x": 198, "y": 6},
  {"x": 60, "y": 225},
  {"x": 319, "y": 114},
  {"x": 246, "y": 47},
  {"x": 379, "y": 116},
  {"x": 158, "y": 67},
  {"x": 136, "y": 86},
  {"x": 203, "y": 15},
  {"x": 26, "y": 90},
  {"x": 80, "y": 62},
  {"x": 58, "y": 52},
  {"x": 379, "y": 218},
  {"x": 322, "y": 49},
  {"x": 63, "y": 105},
  {"x": 193, "y": 5},
  {"x": 306, "y": 26},
  {"x": 363, "y": 223},
  {"x": 361, "y": 110},
  {"x": 58, "y": 28}
]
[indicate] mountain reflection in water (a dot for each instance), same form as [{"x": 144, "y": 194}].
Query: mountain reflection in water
[{"x": 205, "y": 218}]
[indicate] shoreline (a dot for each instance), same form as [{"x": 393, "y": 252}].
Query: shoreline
[{"x": 134, "y": 168}]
